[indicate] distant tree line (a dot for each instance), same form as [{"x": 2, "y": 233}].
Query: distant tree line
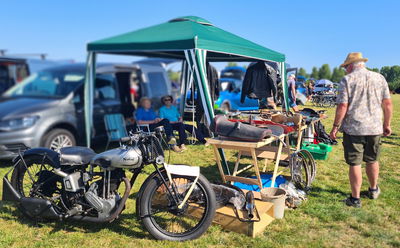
[
  {"x": 324, "y": 72},
  {"x": 391, "y": 73}
]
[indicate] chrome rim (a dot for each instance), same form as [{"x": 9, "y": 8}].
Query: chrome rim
[{"x": 60, "y": 141}]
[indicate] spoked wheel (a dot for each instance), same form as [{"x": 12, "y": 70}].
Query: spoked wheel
[
  {"x": 299, "y": 171},
  {"x": 165, "y": 220},
  {"x": 310, "y": 162},
  {"x": 34, "y": 178}
]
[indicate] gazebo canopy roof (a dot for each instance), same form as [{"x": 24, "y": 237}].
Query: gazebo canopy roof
[{"x": 170, "y": 39}]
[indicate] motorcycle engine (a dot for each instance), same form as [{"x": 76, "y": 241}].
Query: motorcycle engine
[{"x": 104, "y": 206}]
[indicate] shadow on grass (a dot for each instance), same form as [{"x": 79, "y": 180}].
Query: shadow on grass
[
  {"x": 318, "y": 191},
  {"x": 10, "y": 212}
]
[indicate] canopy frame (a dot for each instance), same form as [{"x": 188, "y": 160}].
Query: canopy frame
[{"x": 193, "y": 66}]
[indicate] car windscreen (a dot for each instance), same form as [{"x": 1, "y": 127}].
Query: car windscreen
[
  {"x": 158, "y": 84},
  {"x": 48, "y": 83}
]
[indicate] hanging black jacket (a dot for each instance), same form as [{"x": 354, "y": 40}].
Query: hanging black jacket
[{"x": 259, "y": 82}]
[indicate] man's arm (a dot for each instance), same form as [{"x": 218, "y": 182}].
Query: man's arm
[
  {"x": 387, "y": 116},
  {"x": 341, "y": 111},
  {"x": 145, "y": 122}
]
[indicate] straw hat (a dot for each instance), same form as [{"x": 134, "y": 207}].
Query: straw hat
[{"x": 353, "y": 57}]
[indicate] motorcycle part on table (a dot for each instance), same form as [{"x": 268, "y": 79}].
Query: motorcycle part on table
[
  {"x": 238, "y": 131},
  {"x": 76, "y": 183}
]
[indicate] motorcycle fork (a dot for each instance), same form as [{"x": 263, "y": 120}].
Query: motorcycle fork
[{"x": 174, "y": 195}]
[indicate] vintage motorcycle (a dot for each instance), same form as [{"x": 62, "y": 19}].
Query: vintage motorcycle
[{"x": 174, "y": 203}]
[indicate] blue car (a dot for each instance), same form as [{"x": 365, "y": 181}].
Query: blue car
[{"x": 229, "y": 96}]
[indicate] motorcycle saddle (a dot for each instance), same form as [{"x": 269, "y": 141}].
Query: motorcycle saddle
[
  {"x": 238, "y": 131},
  {"x": 76, "y": 155}
]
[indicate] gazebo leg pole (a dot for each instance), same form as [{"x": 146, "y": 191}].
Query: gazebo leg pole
[{"x": 196, "y": 59}]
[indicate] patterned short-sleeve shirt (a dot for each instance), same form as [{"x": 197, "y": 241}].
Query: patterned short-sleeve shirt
[{"x": 363, "y": 91}]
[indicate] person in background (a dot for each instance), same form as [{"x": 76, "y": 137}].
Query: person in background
[
  {"x": 310, "y": 89},
  {"x": 170, "y": 112},
  {"x": 363, "y": 98},
  {"x": 292, "y": 92},
  {"x": 146, "y": 115}
]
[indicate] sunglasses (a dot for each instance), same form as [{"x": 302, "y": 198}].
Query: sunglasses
[{"x": 168, "y": 100}]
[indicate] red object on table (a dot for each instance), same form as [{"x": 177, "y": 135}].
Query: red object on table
[{"x": 286, "y": 129}]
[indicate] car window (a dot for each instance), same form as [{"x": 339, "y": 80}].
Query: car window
[
  {"x": 105, "y": 88},
  {"x": 158, "y": 85},
  {"x": 48, "y": 83}
]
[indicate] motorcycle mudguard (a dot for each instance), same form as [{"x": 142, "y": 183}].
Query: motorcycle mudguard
[
  {"x": 52, "y": 155},
  {"x": 140, "y": 193},
  {"x": 9, "y": 193}
]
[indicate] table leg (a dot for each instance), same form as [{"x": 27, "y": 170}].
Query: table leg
[
  {"x": 255, "y": 164},
  {"x": 299, "y": 138},
  {"x": 237, "y": 163},
  {"x": 277, "y": 159},
  {"x": 265, "y": 165},
  {"x": 218, "y": 159}
]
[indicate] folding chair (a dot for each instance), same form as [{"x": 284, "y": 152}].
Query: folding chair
[
  {"x": 115, "y": 127},
  {"x": 144, "y": 127}
]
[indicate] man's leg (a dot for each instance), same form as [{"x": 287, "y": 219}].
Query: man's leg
[
  {"x": 355, "y": 176},
  {"x": 373, "y": 174},
  {"x": 181, "y": 130},
  {"x": 353, "y": 153},
  {"x": 167, "y": 127}
]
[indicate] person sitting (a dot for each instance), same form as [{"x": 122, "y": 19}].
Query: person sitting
[
  {"x": 170, "y": 112},
  {"x": 146, "y": 115}
]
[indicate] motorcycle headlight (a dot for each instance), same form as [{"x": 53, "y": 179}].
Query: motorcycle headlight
[{"x": 20, "y": 123}]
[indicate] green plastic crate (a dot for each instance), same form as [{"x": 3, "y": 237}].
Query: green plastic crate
[{"x": 318, "y": 151}]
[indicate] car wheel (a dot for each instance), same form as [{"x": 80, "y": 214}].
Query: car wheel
[
  {"x": 58, "y": 138},
  {"x": 226, "y": 107}
]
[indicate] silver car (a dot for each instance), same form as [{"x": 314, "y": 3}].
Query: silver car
[{"x": 46, "y": 109}]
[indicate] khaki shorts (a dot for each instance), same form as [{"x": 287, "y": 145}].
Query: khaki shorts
[{"x": 361, "y": 148}]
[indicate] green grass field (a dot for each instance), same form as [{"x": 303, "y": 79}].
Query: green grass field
[{"x": 322, "y": 221}]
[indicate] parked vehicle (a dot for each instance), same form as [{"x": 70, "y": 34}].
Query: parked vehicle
[
  {"x": 14, "y": 69},
  {"x": 229, "y": 96},
  {"x": 325, "y": 85},
  {"x": 76, "y": 183},
  {"x": 47, "y": 108}
]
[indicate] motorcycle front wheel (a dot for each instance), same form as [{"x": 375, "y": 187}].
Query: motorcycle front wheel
[{"x": 164, "y": 220}]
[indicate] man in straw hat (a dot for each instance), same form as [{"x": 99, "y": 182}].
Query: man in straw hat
[{"x": 363, "y": 98}]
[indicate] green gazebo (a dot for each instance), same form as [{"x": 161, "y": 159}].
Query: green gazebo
[{"x": 192, "y": 39}]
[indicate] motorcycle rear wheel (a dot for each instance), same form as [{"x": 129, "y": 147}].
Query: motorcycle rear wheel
[
  {"x": 33, "y": 177},
  {"x": 164, "y": 221}
]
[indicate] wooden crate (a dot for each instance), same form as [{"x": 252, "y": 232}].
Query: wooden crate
[{"x": 226, "y": 217}]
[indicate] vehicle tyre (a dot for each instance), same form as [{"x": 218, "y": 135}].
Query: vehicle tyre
[
  {"x": 31, "y": 172},
  {"x": 299, "y": 171},
  {"x": 58, "y": 138},
  {"x": 160, "y": 216},
  {"x": 309, "y": 159}
]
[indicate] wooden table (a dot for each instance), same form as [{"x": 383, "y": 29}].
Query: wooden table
[{"x": 261, "y": 149}]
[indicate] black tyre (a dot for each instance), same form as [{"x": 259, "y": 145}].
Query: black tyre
[
  {"x": 163, "y": 220},
  {"x": 33, "y": 177},
  {"x": 58, "y": 138},
  {"x": 299, "y": 171},
  {"x": 310, "y": 162}
]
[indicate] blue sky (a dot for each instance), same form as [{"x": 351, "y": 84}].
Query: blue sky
[{"x": 309, "y": 33}]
